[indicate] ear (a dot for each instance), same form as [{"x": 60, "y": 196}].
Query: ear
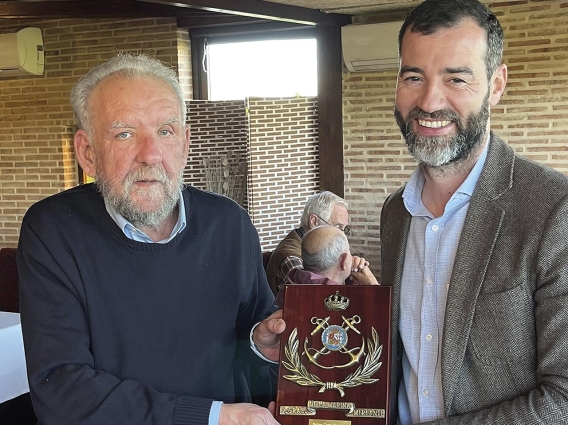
[
  {"x": 343, "y": 261},
  {"x": 498, "y": 83},
  {"x": 84, "y": 152},
  {"x": 313, "y": 221},
  {"x": 186, "y": 134}
]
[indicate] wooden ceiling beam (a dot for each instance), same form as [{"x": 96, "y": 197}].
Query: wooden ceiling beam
[
  {"x": 261, "y": 10},
  {"x": 266, "y": 30},
  {"x": 213, "y": 20},
  {"x": 241, "y": 11},
  {"x": 58, "y": 9}
]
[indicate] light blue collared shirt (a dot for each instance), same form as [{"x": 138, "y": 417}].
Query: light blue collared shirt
[
  {"x": 428, "y": 264},
  {"x": 132, "y": 232}
]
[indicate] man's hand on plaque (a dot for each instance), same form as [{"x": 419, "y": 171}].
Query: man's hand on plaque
[
  {"x": 247, "y": 414},
  {"x": 266, "y": 336}
]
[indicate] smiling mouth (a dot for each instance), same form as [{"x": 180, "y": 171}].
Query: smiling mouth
[{"x": 434, "y": 124}]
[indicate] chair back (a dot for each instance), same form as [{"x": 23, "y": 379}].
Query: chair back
[
  {"x": 266, "y": 258},
  {"x": 9, "y": 293}
]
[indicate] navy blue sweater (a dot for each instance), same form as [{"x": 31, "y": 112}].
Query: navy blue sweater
[{"x": 123, "y": 332}]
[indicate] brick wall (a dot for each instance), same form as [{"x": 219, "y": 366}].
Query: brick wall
[
  {"x": 532, "y": 115},
  {"x": 218, "y": 130},
  {"x": 283, "y": 164},
  {"x": 184, "y": 62},
  {"x": 36, "y": 146},
  {"x": 278, "y": 141}
]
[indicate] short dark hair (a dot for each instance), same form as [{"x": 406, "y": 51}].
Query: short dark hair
[{"x": 432, "y": 15}]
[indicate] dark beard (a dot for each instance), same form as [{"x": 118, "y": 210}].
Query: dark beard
[{"x": 444, "y": 150}]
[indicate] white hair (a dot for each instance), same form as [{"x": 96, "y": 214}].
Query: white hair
[{"x": 320, "y": 204}]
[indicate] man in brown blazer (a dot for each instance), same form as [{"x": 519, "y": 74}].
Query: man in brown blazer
[{"x": 475, "y": 244}]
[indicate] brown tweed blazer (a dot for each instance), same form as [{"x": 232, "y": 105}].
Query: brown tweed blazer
[
  {"x": 291, "y": 245},
  {"x": 505, "y": 342}
]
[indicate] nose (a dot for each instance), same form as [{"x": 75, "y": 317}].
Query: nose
[
  {"x": 432, "y": 97},
  {"x": 149, "y": 150}
]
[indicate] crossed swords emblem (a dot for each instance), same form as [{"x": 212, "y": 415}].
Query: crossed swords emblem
[{"x": 334, "y": 338}]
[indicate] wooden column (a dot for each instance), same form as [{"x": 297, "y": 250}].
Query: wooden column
[{"x": 330, "y": 108}]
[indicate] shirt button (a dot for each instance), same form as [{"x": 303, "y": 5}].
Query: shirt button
[
  {"x": 428, "y": 337},
  {"x": 426, "y": 392},
  {"x": 429, "y": 281},
  {"x": 435, "y": 228}
]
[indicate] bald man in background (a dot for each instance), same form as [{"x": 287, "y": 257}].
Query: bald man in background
[
  {"x": 320, "y": 209},
  {"x": 327, "y": 261}
]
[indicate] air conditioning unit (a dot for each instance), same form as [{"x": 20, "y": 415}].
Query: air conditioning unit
[
  {"x": 21, "y": 53},
  {"x": 370, "y": 47}
]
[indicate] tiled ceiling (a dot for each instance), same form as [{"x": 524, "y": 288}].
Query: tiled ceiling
[
  {"x": 351, "y": 7},
  {"x": 359, "y": 7}
]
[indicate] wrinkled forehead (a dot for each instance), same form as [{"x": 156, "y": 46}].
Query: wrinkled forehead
[
  {"x": 339, "y": 214},
  {"x": 137, "y": 86}
]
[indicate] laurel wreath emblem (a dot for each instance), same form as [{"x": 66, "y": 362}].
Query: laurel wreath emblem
[{"x": 362, "y": 376}]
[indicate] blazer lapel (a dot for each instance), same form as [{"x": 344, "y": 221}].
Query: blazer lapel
[
  {"x": 477, "y": 241},
  {"x": 395, "y": 223}
]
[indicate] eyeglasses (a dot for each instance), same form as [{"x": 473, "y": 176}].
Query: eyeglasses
[{"x": 345, "y": 230}]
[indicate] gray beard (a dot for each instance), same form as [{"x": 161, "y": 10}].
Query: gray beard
[
  {"x": 444, "y": 150},
  {"x": 438, "y": 152},
  {"x": 119, "y": 198}
]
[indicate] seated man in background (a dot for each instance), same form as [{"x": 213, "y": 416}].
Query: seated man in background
[
  {"x": 321, "y": 208},
  {"x": 327, "y": 261}
]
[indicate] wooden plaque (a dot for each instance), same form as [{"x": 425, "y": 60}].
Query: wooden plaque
[{"x": 335, "y": 355}]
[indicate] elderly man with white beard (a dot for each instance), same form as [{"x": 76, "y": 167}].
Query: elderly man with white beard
[{"x": 140, "y": 296}]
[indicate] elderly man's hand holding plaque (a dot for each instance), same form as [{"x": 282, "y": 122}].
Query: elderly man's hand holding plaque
[{"x": 266, "y": 336}]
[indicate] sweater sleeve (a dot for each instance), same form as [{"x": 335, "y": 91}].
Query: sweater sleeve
[
  {"x": 260, "y": 302},
  {"x": 65, "y": 385}
]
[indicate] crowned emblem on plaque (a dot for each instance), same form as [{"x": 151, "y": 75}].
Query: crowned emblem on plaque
[
  {"x": 336, "y": 302},
  {"x": 334, "y": 338}
]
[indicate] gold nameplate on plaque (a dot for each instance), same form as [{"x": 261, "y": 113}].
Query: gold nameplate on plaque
[
  {"x": 328, "y": 422},
  {"x": 313, "y": 405}
]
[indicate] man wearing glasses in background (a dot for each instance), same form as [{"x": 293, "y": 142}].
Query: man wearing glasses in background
[{"x": 322, "y": 208}]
